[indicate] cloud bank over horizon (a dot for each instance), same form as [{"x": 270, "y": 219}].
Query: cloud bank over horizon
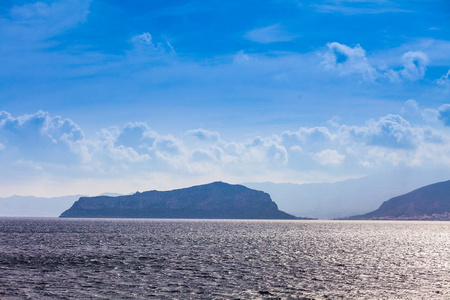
[{"x": 43, "y": 148}]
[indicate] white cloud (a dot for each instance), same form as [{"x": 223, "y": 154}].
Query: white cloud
[
  {"x": 436, "y": 50},
  {"x": 44, "y": 138},
  {"x": 270, "y": 34},
  {"x": 414, "y": 65},
  {"x": 346, "y": 60},
  {"x": 43, "y": 143},
  {"x": 144, "y": 38},
  {"x": 136, "y": 135},
  {"x": 144, "y": 42},
  {"x": 309, "y": 139},
  {"x": 3, "y": 117},
  {"x": 264, "y": 150},
  {"x": 352, "y": 7},
  {"x": 390, "y": 131},
  {"x": 136, "y": 142}
]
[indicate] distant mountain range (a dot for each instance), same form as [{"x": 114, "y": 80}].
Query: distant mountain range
[
  {"x": 316, "y": 200},
  {"x": 345, "y": 198},
  {"x": 217, "y": 200},
  {"x": 431, "y": 202}
]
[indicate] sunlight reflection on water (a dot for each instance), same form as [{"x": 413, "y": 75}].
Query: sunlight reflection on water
[{"x": 80, "y": 258}]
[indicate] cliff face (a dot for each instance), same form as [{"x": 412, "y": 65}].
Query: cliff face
[
  {"x": 431, "y": 202},
  {"x": 216, "y": 200}
]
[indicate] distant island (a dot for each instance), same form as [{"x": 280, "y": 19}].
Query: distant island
[
  {"x": 431, "y": 202},
  {"x": 217, "y": 200}
]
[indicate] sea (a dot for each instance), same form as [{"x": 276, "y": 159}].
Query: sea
[{"x": 51, "y": 258}]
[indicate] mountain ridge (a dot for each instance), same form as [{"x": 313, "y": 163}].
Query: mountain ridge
[
  {"x": 430, "y": 202},
  {"x": 350, "y": 197}
]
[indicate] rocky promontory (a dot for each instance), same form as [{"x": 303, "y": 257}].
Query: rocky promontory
[
  {"x": 217, "y": 200},
  {"x": 431, "y": 202}
]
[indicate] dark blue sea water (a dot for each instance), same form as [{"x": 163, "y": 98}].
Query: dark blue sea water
[{"x": 198, "y": 259}]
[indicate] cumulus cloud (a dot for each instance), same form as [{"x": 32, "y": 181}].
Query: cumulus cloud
[
  {"x": 391, "y": 131},
  {"x": 134, "y": 149},
  {"x": 270, "y": 34},
  {"x": 136, "y": 135},
  {"x": 346, "y": 60},
  {"x": 264, "y": 150},
  {"x": 309, "y": 139},
  {"x": 414, "y": 65},
  {"x": 43, "y": 138},
  {"x": 136, "y": 142}
]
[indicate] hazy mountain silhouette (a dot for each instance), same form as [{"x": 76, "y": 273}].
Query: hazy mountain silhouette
[
  {"x": 431, "y": 202},
  {"x": 345, "y": 198},
  {"x": 216, "y": 200}
]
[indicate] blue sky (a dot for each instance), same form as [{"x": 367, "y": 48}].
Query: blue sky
[{"x": 116, "y": 96}]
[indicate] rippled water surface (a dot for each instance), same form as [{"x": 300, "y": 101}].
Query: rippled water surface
[{"x": 198, "y": 259}]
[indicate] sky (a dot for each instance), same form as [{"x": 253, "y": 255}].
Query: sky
[{"x": 119, "y": 96}]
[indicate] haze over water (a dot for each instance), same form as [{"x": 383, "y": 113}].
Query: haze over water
[{"x": 195, "y": 259}]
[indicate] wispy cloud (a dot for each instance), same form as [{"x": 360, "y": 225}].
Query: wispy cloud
[
  {"x": 444, "y": 81},
  {"x": 144, "y": 41},
  {"x": 270, "y": 34},
  {"x": 39, "y": 21},
  {"x": 356, "y": 7}
]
